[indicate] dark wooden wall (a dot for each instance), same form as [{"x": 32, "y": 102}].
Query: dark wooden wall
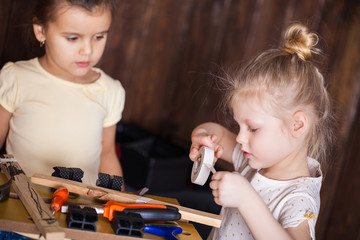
[{"x": 165, "y": 52}]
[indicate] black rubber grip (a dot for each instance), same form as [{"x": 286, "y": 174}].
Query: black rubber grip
[{"x": 155, "y": 214}]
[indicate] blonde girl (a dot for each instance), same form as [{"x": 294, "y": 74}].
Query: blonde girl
[{"x": 280, "y": 103}]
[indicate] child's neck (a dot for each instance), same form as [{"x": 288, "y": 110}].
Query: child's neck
[
  {"x": 47, "y": 64},
  {"x": 295, "y": 166}
]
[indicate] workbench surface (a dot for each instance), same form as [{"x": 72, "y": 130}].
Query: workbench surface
[{"x": 14, "y": 217}]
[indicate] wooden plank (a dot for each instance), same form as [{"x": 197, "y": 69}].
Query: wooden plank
[
  {"x": 187, "y": 214},
  {"x": 36, "y": 207}
]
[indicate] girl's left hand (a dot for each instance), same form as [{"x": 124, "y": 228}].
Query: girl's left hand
[{"x": 229, "y": 188}]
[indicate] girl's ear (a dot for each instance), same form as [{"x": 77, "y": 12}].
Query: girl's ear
[
  {"x": 39, "y": 32},
  {"x": 300, "y": 123}
]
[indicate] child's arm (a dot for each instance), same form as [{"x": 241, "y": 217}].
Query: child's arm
[
  {"x": 214, "y": 136},
  {"x": 233, "y": 190},
  {"x": 5, "y": 117},
  {"x": 109, "y": 162}
]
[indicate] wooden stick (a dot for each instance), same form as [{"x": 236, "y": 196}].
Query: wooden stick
[
  {"x": 187, "y": 214},
  {"x": 34, "y": 204}
]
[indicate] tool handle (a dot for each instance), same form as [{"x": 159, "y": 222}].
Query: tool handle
[
  {"x": 109, "y": 210},
  {"x": 112, "y": 206},
  {"x": 137, "y": 205},
  {"x": 168, "y": 232},
  {"x": 59, "y": 197},
  {"x": 155, "y": 214}
]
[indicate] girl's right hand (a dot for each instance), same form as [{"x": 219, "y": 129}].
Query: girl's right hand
[
  {"x": 202, "y": 138},
  {"x": 230, "y": 189}
]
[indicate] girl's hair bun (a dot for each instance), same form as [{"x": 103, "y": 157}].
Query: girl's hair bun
[{"x": 299, "y": 40}]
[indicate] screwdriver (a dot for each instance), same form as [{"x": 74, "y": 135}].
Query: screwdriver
[{"x": 59, "y": 197}]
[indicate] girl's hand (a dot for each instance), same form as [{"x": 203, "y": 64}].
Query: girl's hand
[
  {"x": 203, "y": 138},
  {"x": 229, "y": 189}
]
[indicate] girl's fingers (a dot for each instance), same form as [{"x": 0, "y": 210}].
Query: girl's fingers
[
  {"x": 213, "y": 137},
  {"x": 203, "y": 140},
  {"x": 215, "y": 193},
  {"x": 217, "y": 176},
  {"x": 199, "y": 140},
  {"x": 218, "y": 151},
  {"x": 215, "y": 180},
  {"x": 212, "y": 185},
  {"x": 193, "y": 153}
]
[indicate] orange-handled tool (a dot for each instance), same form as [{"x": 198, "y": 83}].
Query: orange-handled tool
[
  {"x": 112, "y": 206},
  {"x": 59, "y": 197},
  {"x": 149, "y": 212}
]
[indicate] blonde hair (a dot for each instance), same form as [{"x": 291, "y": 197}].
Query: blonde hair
[{"x": 285, "y": 81}]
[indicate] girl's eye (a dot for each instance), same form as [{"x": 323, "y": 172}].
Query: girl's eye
[
  {"x": 71, "y": 39},
  {"x": 252, "y": 129},
  {"x": 99, "y": 37}
]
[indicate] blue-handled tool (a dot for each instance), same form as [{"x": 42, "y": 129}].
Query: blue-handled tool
[
  {"x": 168, "y": 232},
  {"x": 5, "y": 235}
]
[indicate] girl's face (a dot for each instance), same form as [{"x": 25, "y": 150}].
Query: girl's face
[
  {"x": 264, "y": 139},
  {"x": 75, "y": 41}
]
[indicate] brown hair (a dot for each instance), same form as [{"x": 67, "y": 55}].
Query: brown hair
[
  {"x": 45, "y": 10},
  {"x": 285, "y": 81}
]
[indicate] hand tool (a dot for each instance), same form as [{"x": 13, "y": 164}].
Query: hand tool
[
  {"x": 187, "y": 214},
  {"x": 7, "y": 235},
  {"x": 168, "y": 232},
  {"x": 149, "y": 212},
  {"x": 59, "y": 197}
]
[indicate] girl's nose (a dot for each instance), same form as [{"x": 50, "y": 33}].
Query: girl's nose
[
  {"x": 86, "y": 48},
  {"x": 241, "y": 137}
]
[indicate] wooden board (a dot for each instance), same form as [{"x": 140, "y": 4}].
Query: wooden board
[
  {"x": 187, "y": 214},
  {"x": 34, "y": 204}
]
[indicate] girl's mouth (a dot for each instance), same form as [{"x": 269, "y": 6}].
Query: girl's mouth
[
  {"x": 246, "y": 154},
  {"x": 83, "y": 64}
]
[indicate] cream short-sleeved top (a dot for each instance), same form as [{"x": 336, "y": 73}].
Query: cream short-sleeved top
[
  {"x": 291, "y": 202},
  {"x": 57, "y": 122}
]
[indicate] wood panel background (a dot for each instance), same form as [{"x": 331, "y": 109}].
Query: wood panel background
[{"x": 165, "y": 53}]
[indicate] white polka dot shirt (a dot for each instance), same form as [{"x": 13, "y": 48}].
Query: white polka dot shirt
[{"x": 291, "y": 202}]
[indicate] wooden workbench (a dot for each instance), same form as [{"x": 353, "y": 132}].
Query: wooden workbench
[{"x": 14, "y": 217}]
